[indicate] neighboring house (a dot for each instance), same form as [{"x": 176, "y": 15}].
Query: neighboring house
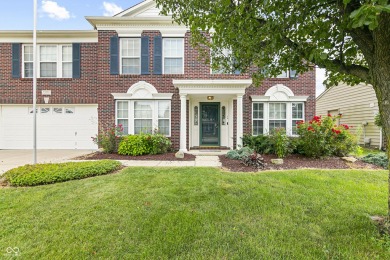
[
  {"x": 136, "y": 69},
  {"x": 357, "y": 106}
]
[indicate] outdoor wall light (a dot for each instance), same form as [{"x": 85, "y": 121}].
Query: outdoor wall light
[{"x": 210, "y": 97}]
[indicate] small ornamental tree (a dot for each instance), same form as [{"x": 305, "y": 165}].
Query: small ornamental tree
[{"x": 321, "y": 137}]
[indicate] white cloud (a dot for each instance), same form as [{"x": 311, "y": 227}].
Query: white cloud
[
  {"x": 111, "y": 9},
  {"x": 53, "y": 10}
]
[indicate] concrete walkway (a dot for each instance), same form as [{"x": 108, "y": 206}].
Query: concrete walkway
[
  {"x": 200, "y": 161},
  {"x": 14, "y": 158}
]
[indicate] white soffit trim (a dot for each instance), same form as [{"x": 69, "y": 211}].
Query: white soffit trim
[
  {"x": 173, "y": 32},
  {"x": 49, "y": 36},
  {"x": 133, "y": 32},
  {"x": 212, "y": 86}
]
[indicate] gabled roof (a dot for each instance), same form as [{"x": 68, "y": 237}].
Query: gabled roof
[
  {"x": 146, "y": 8},
  {"x": 144, "y": 13}
]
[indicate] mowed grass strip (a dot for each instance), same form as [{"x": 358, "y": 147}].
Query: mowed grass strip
[{"x": 199, "y": 213}]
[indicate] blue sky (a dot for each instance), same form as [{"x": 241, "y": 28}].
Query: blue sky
[
  {"x": 57, "y": 14},
  {"x": 69, "y": 15}
]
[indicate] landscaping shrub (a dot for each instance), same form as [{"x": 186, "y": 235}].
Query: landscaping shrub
[
  {"x": 239, "y": 153},
  {"x": 280, "y": 142},
  {"x": 109, "y": 140},
  {"x": 261, "y": 143},
  {"x": 144, "y": 144},
  {"x": 379, "y": 159},
  {"x": 38, "y": 174},
  {"x": 160, "y": 144},
  {"x": 321, "y": 137},
  {"x": 254, "y": 159}
]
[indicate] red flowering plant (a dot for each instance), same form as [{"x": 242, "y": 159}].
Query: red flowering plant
[
  {"x": 321, "y": 137},
  {"x": 109, "y": 139}
]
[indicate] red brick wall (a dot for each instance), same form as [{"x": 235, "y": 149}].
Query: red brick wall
[
  {"x": 63, "y": 91},
  {"x": 96, "y": 84}
]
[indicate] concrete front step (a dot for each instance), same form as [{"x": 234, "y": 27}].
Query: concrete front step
[{"x": 205, "y": 152}]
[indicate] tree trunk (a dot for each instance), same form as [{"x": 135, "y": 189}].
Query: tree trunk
[{"x": 381, "y": 83}]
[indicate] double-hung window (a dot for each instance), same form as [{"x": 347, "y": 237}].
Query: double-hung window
[
  {"x": 297, "y": 115},
  {"x": 122, "y": 115},
  {"x": 277, "y": 116},
  {"x": 130, "y": 55},
  {"x": 173, "y": 51},
  {"x": 55, "y": 61},
  {"x": 28, "y": 61},
  {"x": 258, "y": 118},
  {"x": 48, "y": 61},
  {"x": 144, "y": 116}
]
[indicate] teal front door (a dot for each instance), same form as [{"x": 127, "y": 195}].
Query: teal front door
[{"x": 209, "y": 124}]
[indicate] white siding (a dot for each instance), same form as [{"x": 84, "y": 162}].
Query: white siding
[
  {"x": 152, "y": 12},
  {"x": 357, "y": 104}
]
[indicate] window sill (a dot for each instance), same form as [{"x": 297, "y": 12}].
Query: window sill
[{"x": 48, "y": 79}]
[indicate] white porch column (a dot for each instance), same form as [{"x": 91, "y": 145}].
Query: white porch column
[
  {"x": 183, "y": 122},
  {"x": 240, "y": 126}
]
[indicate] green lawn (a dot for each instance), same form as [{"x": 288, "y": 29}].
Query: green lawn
[{"x": 199, "y": 213}]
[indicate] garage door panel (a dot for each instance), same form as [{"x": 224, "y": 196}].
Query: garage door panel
[{"x": 54, "y": 131}]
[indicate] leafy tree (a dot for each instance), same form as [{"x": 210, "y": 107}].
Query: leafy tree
[{"x": 349, "y": 38}]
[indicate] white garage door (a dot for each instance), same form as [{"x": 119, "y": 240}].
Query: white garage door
[{"x": 58, "y": 126}]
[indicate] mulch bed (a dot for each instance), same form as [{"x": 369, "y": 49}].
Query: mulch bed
[
  {"x": 154, "y": 157},
  {"x": 296, "y": 161}
]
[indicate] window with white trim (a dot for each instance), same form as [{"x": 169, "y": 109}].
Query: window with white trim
[
  {"x": 54, "y": 61},
  {"x": 130, "y": 55},
  {"x": 122, "y": 115},
  {"x": 297, "y": 116},
  {"x": 277, "y": 116},
  {"x": 227, "y": 53},
  {"x": 173, "y": 52},
  {"x": 258, "y": 118},
  {"x": 267, "y": 116},
  {"x": 144, "y": 116},
  {"x": 284, "y": 74},
  {"x": 28, "y": 61}
]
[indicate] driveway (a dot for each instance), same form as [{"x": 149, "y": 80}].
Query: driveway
[{"x": 13, "y": 158}]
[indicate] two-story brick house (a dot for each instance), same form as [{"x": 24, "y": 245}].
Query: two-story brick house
[{"x": 136, "y": 69}]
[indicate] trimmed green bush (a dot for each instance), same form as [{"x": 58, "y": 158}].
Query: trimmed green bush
[
  {"x": 379, "y": 159},
  {"x": 261, "y": 144},
  {"x": 39, "y": 174},
  {"x": 144, "y": 144}
]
